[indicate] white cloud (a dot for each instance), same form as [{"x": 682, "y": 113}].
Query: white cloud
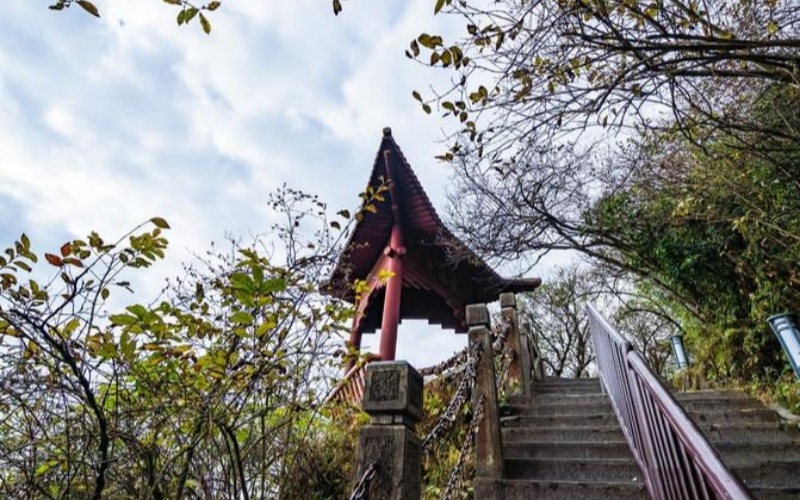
[{"x": 108, "y": 122}]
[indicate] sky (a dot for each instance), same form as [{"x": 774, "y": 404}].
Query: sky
[{"x": 108, "y": 122}]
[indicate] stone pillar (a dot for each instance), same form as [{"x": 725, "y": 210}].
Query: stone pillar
[
  {"x": 537, "y": 363},
  {"x": 488, "y": 442},
  {"x": 508, "y": 303},
  {"x": 393, "y": 398}
]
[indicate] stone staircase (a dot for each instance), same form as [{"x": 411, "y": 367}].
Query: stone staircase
[{"x": 565, "y": 443}]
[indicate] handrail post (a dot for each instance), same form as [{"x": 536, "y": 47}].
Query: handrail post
[
  {"x": 537, "y": 364},
  {"x": 488, "y": 441},
  {"x": 393, "y": 398},
  {"x": 516, "y": 375}
]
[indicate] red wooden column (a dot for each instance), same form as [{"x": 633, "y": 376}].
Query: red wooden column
[{"x": 394, "y": 288}]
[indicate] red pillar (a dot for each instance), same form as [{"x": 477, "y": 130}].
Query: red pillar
[{"x": 391, "y": 303}]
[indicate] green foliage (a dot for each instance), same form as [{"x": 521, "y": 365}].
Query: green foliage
[
  {"x": 211, "y": 390},
  {"x": 717, "y": 226}
]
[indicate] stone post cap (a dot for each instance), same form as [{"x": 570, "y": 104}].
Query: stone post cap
[
  {"x": 393, "y": 388},
  {"x": 508, "y": 300},
  {"x": 478, "y": 315}
]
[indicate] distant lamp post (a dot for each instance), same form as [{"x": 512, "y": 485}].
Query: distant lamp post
[
  {"x": 785, "y": 328},
  {"x": 680, "y": 352}
]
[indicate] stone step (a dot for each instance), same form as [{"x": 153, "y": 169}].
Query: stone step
[
  {"x": 575, "y": 420},
  {"x": 702, "y": 419},
  {"x": 566, "y": 450},
  {"x": 559, "y": 434},
  {"x": 597, "y": 470},
  {"x": 770, "y": 473},
  {"x": 568, "y": 385},
  {"x": 734, "y": 454},
  {"x": 734, "y": 415},
  {"x": 713, "y": 396},
  {"x": 556, "y": 396},
  {"x": 693, "y": 406},
  {"x": 563, "y": 409},
  {"x": 751, "y": 433},
  {"x": 767, "y": 493},
  {"x": 558, "y": 490}
]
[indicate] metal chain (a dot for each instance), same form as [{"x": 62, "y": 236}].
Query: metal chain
[
  {"x": 499, "y": 333},
  {"x": 456, "y": 473},
  {"x": 448, "y": 418},
  {"x": 360, "y": 491},
  {"x": 470, "y": 373},
  {"x": 458, "y": 359}
]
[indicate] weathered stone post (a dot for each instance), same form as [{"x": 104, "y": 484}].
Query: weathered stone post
[
  {"x": 515, "y": 382},
  {"x": 488, "y": 441},
  {"x": 393, "y": 398},
  {"x": 537, "y": 363}
]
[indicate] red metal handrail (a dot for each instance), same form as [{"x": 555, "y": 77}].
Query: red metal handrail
[{"x": 676, "y": 459}]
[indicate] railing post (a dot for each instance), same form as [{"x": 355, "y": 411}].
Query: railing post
[
  {"x": 393, "y": 398},
  {"x": 488, "y": 441},
  {"x": 537, "y": 364},
  {"x": 515, "y": 382}
]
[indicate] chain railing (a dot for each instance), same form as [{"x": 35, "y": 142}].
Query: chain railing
[
  {"x": 676, "y": 459},
  {"x": 360, "y": 491},
  {"x": 463, "y": 364}
]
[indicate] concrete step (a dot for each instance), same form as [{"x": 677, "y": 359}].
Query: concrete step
[
  {"x": 575, "y": 420},
  {"x": 555, "y": 397},
  {"x": 693, "y": 406},
  {"x": 558, "y": 490},
  {"x": 560, "y": 434},
  {"x": 597, "y": 470},
  {"x": 734, "y": 415},
  {"x": 734, "y": 454},
  {"x": 562, "y": 410},
  {"x": 713, "y": 395},
  {"x": 573, "y": 385},
  {"x": 767, "y": 493},
  {"x": 774, "y": 474},
  {"x": 751, "y": 433},
  {"x": 566, "y": 450},
  {"x": 702, "y": 419}
]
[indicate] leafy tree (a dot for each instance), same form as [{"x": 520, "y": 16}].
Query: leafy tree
[
  {"x": 209, "y": 392},
  {"x": 556, "y": 317},
  {"x": 526, "y": 71}
]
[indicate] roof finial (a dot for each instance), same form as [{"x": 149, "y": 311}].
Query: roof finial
[{"x": 387, "y": 132}]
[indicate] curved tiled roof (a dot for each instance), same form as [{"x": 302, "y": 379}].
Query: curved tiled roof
[{"x": 441, "y": 275}]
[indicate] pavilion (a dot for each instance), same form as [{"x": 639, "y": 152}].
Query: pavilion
[{"x": 408, "y": 264}]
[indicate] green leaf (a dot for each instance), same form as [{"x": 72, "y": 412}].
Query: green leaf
[
  {"x": 336, "y": 225},
  {"x": 273, "y": 285},
  {"x": 173, "y": 2},
  {"x": 205, "y": 24},
  {"x": 122, "y": 319},
  {"x": 242, "y": 318},
  {"x": 213, "y": 6},
  {"x": 89, "y": 7},
  {"x": 337, "y": 7},
  {"x": 439, "y": 5},
  {"x": 158, "y": 221},
  {"x": 772, "y": 27},
  {"x": 71, "y": 326},
  {"x": 426, "y": 108},
  {"x": 189, "y": 14},
  {"x": 344, "y": 213}
]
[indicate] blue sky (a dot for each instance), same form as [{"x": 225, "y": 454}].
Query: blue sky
[{"x": 108, "y": 122}]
